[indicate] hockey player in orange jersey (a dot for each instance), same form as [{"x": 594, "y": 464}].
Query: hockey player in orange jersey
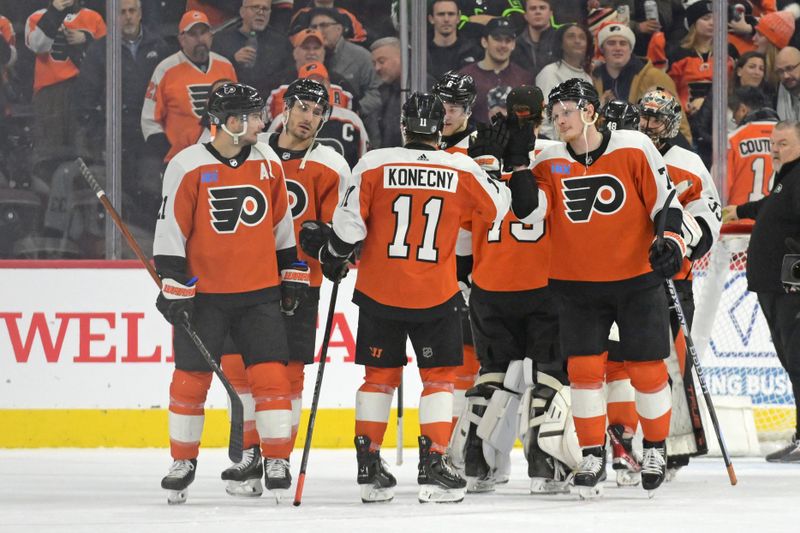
[
  {"x": 225, "y": 250},
  {"x": 750, "y": 172},
  {"x": 600, "y": 195},
  {"x": 660, "y": 120},
  {"x": 179, "y": 88},
  {"x": 457, "y": 93},
  {"x": 313, "y": 173},
  {"x": 405, "y": 204}
]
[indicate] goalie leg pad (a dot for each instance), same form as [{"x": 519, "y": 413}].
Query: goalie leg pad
[
  {"x": 557, "y": 435},
  {"x": 497, "y": 426},
  {"x": 514, "y": 379}
]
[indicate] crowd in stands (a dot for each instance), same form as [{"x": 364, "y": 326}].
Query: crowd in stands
[{"x": 53, "y": 82}]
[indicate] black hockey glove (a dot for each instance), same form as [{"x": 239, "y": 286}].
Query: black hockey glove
[
  {"x": 489, "y": 143},
  {"x": 314, "y": 234},
  {"x": 666, "y": 257},
  {"x": 176, "y": 299},
  {"x": 525, "y": 105},
  {"x": 334, "y": 267},
  {"x": 295, "y": 281}
]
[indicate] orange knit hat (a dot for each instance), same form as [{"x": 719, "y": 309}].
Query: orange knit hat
[{"x": 777, "y": 28}]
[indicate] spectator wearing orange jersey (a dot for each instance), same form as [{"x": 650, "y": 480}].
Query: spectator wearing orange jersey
[
  {"x": 178, "y": 91},
  {"x": 59, "y": 36},
  {"x": 8, "y": 55},
  {"x": 257, "y": 51},
  {"x": 353, "y": 29}
]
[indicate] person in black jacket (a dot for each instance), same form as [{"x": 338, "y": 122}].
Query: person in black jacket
[
  {"x": 142, "y": 50},
  {"x": 777, "y": 218}
]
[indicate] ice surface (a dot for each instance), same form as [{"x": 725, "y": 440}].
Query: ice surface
[{"x": 111, "y": 490}]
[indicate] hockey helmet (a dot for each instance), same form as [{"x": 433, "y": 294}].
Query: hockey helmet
[
  {"x": 620, "y": 115},
  {"x": 422, "y": 113},
  {"x": 456, "y": 88},
  {"x": 662, "y": 105},
  {"x": 573, "y": 90},
  {"x": 497, "y": 96},
  {"x": 306, "y": 89},
  {"x": 234, "y": 99},
  {"x": 525, "y": 103}
]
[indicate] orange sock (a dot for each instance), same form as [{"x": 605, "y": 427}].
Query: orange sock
[
  {"x": 187, "y": 397},
  {"x": 586, "y": 375},
  {"x": 621, "y": 397},
  {"x": 436, "y": 405},
  {"x": 272, "y": 395},
  {"x": 465, "y": 380},
  {"x": 233, "y": 368},
  {"x": 374, "y": 402},
  {"x": 653, "y": 397}
]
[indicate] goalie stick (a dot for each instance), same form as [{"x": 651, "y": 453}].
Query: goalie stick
[
  {"x": 698, "y": 370},
  {"x": 236, "y": 441}
]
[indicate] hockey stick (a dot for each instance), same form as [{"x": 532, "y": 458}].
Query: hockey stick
[
  {"x": 399, "y": 460},
  {"x": 312, "y": 417},
  {"x": 236, "y": 442},
  {"x": 698, "y": 370}
]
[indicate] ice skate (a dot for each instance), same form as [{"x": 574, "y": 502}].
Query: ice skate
[
  {"x": 625, "y": 464},
  {"x": 244, "y": 477},
  {"x": 178, "y": 479},
  {"x": 787, "y": 454},
  {"x": 589, "y": 474},
  {"x": 443, "y": 484},
  {"x": 548, "y": 476},
  {"x": 377, "y": 483},
  {"x": 654, "y": 465},
  {"x": 674, "y": 464},
  {"x": 277, "y": 477}
]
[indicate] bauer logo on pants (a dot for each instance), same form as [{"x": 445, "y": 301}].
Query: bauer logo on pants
[
  {"x": 587, "y": 194},
  {"x": 231, "y": 205}
]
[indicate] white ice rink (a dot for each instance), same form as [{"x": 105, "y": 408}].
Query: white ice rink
[{"x": 109, "y": 490}]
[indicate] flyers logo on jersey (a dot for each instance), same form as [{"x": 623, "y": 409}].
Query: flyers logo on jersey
[
  {"x": 198, "y": 94},
  {"x": 588, "y": 194},
  {"x": 298, "y": 197},
  {"x": 231, "y": 205}
]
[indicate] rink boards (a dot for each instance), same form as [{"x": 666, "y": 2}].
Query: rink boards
[{"x": 85, "y": 361}]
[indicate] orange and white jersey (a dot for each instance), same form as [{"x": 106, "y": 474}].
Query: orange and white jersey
[
  {"x": 406, "y": 205},
  {"x": 750, "y": 172},
  {"x": 176, "y": 98},
  {"x": 53, "y": 62},
  {"x": 338, "y": 98},
  {"x": 8, "y": 35},
  {"x": 313, "y": 190},
  {"x": 229, "y": 222},
  {"x": 600, "y": 218},
  {"x": 696, "y": 193}
]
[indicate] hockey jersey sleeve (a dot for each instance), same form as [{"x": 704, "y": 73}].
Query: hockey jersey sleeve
[
  {"x": 282, "y": 222},
  {"x": 655, "y": 185},
  {"x": 490, "y": 198},
  {"x": 349, "y": 218},
  {"x": 176, "y": 218},
  {"x": 702, "y": 201}
]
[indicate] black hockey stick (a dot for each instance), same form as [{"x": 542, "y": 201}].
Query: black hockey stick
[
  {"x": 698, "y": 370},
  {"x": 312, "y": 417},
  {"x": 236, "y": 442},
  {"x": 399, "y": 460}
]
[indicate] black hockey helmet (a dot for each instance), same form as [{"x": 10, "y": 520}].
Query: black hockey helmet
[
  {"x": 310, "y": 91},
  {"x": 456, "y": 88},
  {"x": 234, "y": 99},
  {"x": 423, "y": 113},
  {"x": 620, "y": 115},
  {"x": 573, "y": 90}
]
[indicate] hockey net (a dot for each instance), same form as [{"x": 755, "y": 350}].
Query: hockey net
[{"x": 732, "y": 338}]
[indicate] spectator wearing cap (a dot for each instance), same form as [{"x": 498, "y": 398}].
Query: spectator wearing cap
[
  {"x": 387, "y": 63},
  {"x": 353, "y": 29},
  {"x": 623, "y": 76},
  {"x": 447, "y": 49},
  {"x": 256, "y": 50},
  {"x": 351, "y": 61},
  {"x": 217, "y": 11},
  {"x": 59, "y": 36},
  {"x": 573, "y": 60},
  {"x": 475, "y": 14},
  {"x": 537, "y": 44},
  {"x": 496, "y": 67},
  {"x": 773, "y": 33},
  {"x": 178, "y": 90},
  {"x": 308, "y": 54}
]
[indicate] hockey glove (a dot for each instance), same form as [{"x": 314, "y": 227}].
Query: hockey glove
[
  {"x": 489, "y": 143},
  {"x": 295, "y": 281},
  {"x": 314, "y": 234},
  {"x": 176, "y": 300},
  {"x": 334, "y": 267},
  {"x": 692, "y": 233},
  {"x": 666, "y": 257},
  {"x": 525, "y": 104}
]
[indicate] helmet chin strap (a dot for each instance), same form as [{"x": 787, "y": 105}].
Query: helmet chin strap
[{"x": 236, "y": 136}]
